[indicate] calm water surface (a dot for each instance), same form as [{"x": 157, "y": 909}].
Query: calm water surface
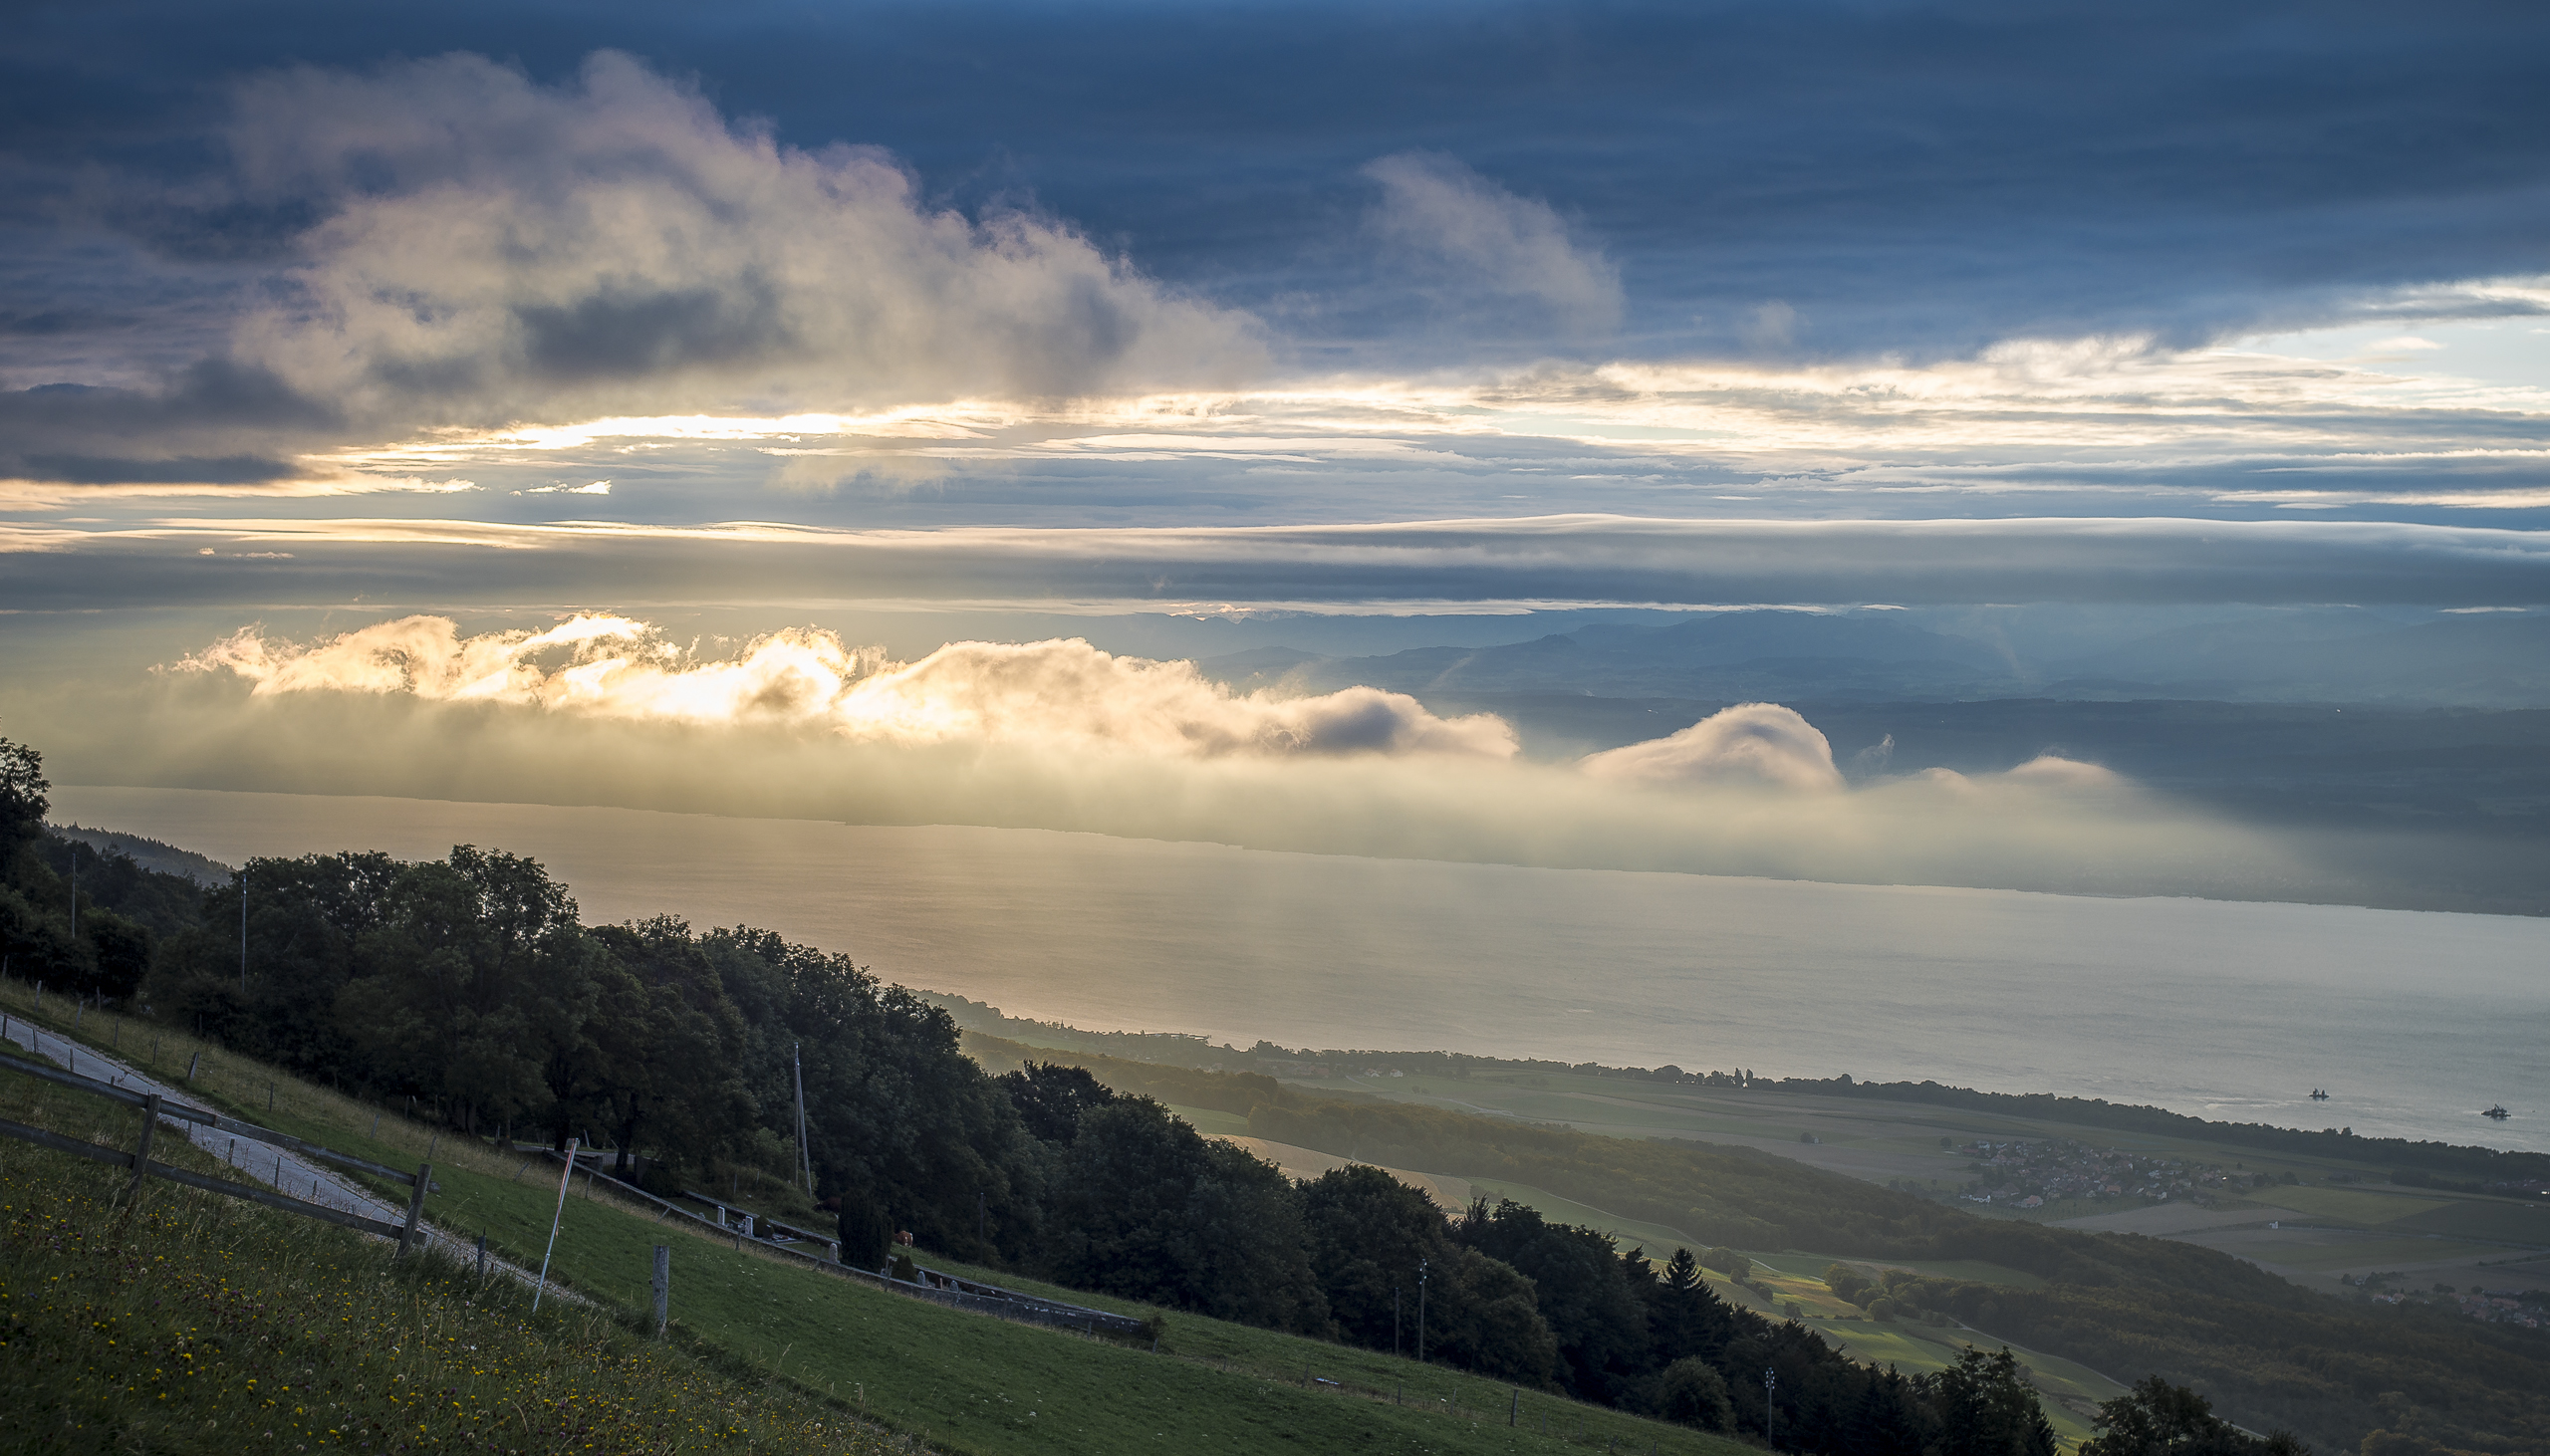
[{"x": 2414, "y": 1020}]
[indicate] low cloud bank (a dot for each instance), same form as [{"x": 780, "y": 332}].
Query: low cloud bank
[
  {"x": 1058, "y": 735},
  {"x": 1037, "y": 693},
  {"x": 1751, "y": 743}
]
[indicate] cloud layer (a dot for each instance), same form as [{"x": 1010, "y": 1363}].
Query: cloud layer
[
  {"x": 1549, "y": 559},
  {"x": 1762, "y": 744},
  {"x": 1486, "y": 250},
  {"x": 464, "y": 247},
  {"x": 1045, "y": 694},
  {"x": 1053, "y": 735},
  {"x": 497, "y": 250}
]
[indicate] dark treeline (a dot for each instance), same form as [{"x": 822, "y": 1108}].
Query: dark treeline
[{"x": 72, "y": 918}]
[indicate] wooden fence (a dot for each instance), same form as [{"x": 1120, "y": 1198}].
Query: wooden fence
[
  {"x": 928, "y": 1283},
  {"x": 154, "y": 1108}
]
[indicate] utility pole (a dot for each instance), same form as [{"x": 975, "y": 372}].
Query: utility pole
[
  {"x": 1421, "y": 1312},
  {"x": 1394, "y": 1321},
  {"x": 1770, "y": 1407},
  {"x": 805, "y": 1155},
  {"x": 75, "y": 892},
  {"x": 243, "y": 932}
]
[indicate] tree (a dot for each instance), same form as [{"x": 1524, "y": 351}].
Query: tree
[
  {"x": 1485, "y": 1317},
  {"x": 894, "y": 1108},
  {"x": 1369, "y": 1232},
  {"x": 1692, "y": 1392},
  {"x": 1050, "y": 1098},
  {"x": 480, "y": 985},
  {"x": 666, "y": 1046},
  {"x": 1846, "y": 1282},
  {"x": 23, "y": 804},
  {"x": 306, "y": 923},
  {"x": 1142, "y": 1206},
  {"x": 1986, "y": 1407},
  {"x": 118, "y": 955},
  {"x": 1584, "y": 1291},
  {"x": 2157, "y": 1419}
]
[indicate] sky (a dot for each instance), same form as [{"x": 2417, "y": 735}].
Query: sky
[{"x": 451, "y": 352}]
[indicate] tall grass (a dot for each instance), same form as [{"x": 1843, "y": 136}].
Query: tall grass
[
  {"x": 961, "y": 1381},
  {"x": 179, "y": 1321}
]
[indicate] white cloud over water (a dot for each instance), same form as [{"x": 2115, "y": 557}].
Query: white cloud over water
[
  {"x": 1750, "y": 743},
  {"x": 1058, "y": 735},
  {"x": 1046, "y": 693}
]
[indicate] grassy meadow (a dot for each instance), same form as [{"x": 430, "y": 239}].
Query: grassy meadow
[
  {"x": 952, "y": 1380},
  {"x": 181, "y": 1320}
]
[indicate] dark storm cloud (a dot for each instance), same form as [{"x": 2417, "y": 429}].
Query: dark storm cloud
[
  {"x": 214, "y": 422},
  {"x": 1923, "y": 177}
]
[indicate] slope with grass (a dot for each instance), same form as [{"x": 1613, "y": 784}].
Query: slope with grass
[
  {"x": 181, "y": 1320},
  {"x": 955, "y": 1380},
  {"x": 2268, "y": 1351}
]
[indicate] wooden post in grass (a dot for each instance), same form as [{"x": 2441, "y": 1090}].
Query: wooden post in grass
[
  {"x": 564, "y": 1178},
  {"x": 1514, "y": 1412},
  {"x": 415, "y": 1208},
  {"x": 664, "y": 1287},
  {"x": 141, "y": 1153},
  {"x": 193, "y": 1062}
]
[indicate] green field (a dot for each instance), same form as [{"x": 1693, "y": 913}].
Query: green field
[
  {"x": 183, "y": 1320},
  {"x": 2359, "y": 1253},
  {"x": 956, "y": 1380},
  {"x": 2352, "y": 1205},
  {"x": 2501, "y": 1221},
  {"x": 1658, "y": 1240}
]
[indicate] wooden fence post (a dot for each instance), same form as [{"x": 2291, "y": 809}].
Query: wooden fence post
[
  {"x": 191, "y": 1064},
  {"x": 664, "y": 1287},
  {"x": 415, "y": 1208},
  {"x": 142, "y": 1154}
]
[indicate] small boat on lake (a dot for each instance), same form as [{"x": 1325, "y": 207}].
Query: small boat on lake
[
  {"x": 2499, "y": 1113},
  {"x": 2318, "y": 1096}
]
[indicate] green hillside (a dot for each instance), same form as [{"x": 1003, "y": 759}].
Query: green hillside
[
  {"x": 2268, "y": 1352},
  {"x": 958, "y": 1381},
  {"x": 186, "y": 1321}
]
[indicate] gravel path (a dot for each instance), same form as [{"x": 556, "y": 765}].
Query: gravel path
[{"x": 279, "y": 1168}]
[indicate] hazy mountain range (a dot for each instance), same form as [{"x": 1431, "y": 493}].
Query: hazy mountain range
[{"x": 2498, "y": 661}]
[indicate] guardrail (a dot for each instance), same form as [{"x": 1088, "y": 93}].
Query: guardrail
[
  {"x": 931, "y": 1284},
  {"x": 154, "y": 1108}
]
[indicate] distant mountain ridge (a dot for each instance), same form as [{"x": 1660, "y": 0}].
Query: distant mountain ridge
[
  {"x": 150, "y": 854},
  {"x": 1866, "y": 655}
]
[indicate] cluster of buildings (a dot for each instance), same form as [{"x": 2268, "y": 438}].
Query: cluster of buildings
[
  {"x": 2033, "y": 1174},
  {"x": 2529, "y": 1307}
]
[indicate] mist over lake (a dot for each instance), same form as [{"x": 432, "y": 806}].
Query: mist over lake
[{"x": 2414, "y": 1021}]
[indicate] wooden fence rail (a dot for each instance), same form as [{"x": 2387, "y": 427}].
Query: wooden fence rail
[
  {"x": 931, "y": 1284},
  {"x": 154, "y": 1108}
]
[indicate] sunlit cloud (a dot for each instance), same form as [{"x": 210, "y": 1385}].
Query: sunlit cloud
[
  {"x": 2124, "y": 419},
  {"x": 1751, "y": 743},
  {"x": 1041, "y": 693},
  {"x": 605, "y": 709}
]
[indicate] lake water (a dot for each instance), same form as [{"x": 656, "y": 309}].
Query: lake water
[{"x": 2414, "y": 1020}]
